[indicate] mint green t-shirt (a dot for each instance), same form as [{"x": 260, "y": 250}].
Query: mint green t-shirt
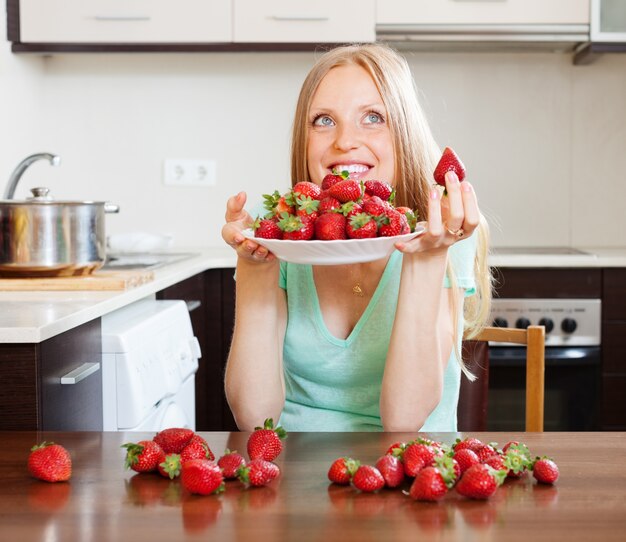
[{"x": 334, "y": 384}]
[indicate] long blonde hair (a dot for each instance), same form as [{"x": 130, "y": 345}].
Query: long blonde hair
[{"x": 416, "y": 152}]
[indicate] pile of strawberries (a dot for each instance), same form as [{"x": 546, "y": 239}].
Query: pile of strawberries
[
  {"x": 342, "y": 208},
  {"x": 179, "y": 452},
  {"x": 474, "y": 469}
]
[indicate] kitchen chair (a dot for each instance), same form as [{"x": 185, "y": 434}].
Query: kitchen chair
[{"x": 472, "y": 409}]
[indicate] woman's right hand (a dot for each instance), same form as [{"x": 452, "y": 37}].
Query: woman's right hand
[{"x": 237, "y": 220}]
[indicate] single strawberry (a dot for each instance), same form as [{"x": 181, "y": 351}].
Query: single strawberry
[
  {"x": 258, "y": 472},
  {"x": 328, "y": 204},
  {"x": 497, "y": 462},
  {"x": 277, "y": 204},
  {"x": 368, "y": 479},
  {"x": 518, "y": 459},
  {"x": 485, "y": 452},
  {"x": 375, "y": 206},
  {"x": 428, "y": 485},
  {"x": 410, "y": 215},
  {"x": 397, "y": 449},
  {"x": 466, "y": 457},
  {"x": 143, "y": 456},
  {"x": 509, "y": 444},
  {"x": 382, "y": 189},
  {"x": 348, "y": 190},
  {"x": 174, "y": 439},
  {"x": 296, "y": 228},
  {"x": 361, "y": 226},
  {"x": 392, "y": 470},
  {"x": 230, "y": 462},
  {"x": 202, "y": 477},
  {"x": 416, "y": 456},
  {"x": 197, "y": 448},
  {"x": 334, "y": 178},
  {"x": 545, "y": 470},
  {"x": 449, "y": 161},
  {"x": 307, "y": 188},
  {"x": 342, "y": 470},
  {"x": 170, "y": 467},
  {"x": 50, "y": 462},
  {"x": 480, "y": 481},
  {"x": 267, "y": 228},
  {"x": 330, "y": 227},
  {"x": 472, "y": 443},
  {"x": 307, "y": 206},
  {"x": 393, "y": 223},
  {"x": 266, "y": 442}
]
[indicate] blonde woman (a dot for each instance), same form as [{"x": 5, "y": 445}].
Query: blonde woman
[{"x": 306, "y": 349}]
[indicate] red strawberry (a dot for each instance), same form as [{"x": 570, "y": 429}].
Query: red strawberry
[
  {"x": 485, "y": 452},
  {"x": 267, "y": 228},
  {"x": 466, "y": 458},
  {"x": 170, "y": 467},
  {"x": 330, "y": 227},
  {"x": 375, "y": 206},
  {"x": 368, "y": 479},
  {"x": 144, "y": 456},
  {"x": 306, "y": 188},
  {"x": 328, "y": 204},
  {"x": 361, "y": 226},
  {"x": 265, "y": 442},
  {"x": 410, "y": 215},
  {"x": 202, "y": 477},
  {"x": 497, "y": 462},
  {"x": 342, "y": 470},
  {"x": 518, "y": 459},
  {"x": 397, "y": 449},
  {"x": 392, "y": 470},
  {"x": 173, "y": 440},
  {"x": 230, "y": 462},
  {"x": 381, "y": 189},
  {"x": 428, "y": 485},
  {"x": 344, "y": 191},
  {"x": 508, "y": 445},
  {"x": 449, "y": 161},
  {"x": 307, "y": 206},
  {"x": 258, "y": 472},
  {"x": 197, "y": 448},
  {"x": 545, "y": 470},
  {"x": 296, "y": 228},
  {"x": 276, "y": 204},
  {"x": 393, "y": 223},
  {"x": 480, "y": 481},
  {"x": 416, "y": 456},
  {"x": 334, "y": 178},
  {"x": 50, "y": 462},
  {"x": 470, "y": 442}
]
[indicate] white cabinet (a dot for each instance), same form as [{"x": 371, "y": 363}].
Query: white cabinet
[
  {"x": 448, "y": 12},
  {"x": 608, "y": 21},
  {"x": 125, "y": 21},
  {"x": 298, "y": 21}
]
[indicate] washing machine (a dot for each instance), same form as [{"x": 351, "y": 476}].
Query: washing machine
[{"x": 149, "y": 361}]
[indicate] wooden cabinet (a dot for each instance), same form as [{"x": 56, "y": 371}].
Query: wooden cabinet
[
  {"x": 32, "y": 395},
  {"x": 446, "y": 12}
]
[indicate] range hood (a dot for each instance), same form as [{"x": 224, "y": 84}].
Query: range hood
[{"x": 486, "y": 37}]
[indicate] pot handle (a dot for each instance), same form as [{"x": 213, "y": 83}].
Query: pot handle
[{"x": 111, "y": 208}]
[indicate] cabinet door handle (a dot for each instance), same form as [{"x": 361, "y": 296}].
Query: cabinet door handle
[
  {"x": 300, "y": 18},
  {"x": 122, "y": 17},
  {"x": 80, "y": 373}
]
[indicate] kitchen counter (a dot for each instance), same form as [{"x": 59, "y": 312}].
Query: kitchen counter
[
  {"x": 34, "y": 316},
  {"x": 104, "y": 502}
]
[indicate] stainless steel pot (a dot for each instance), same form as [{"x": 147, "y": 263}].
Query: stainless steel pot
[{"x": 43, "y": 237}]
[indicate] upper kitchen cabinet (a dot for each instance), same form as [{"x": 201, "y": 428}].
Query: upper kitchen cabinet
[
  {"x": 288, "y": 21},
  {"x": 487, "y": 24}
]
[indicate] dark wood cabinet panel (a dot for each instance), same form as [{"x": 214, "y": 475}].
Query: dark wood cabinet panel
[
  {"x": 614, "y": 402},
  {"x": 614, "y": 347},
  {"x": 228, "y": 322},
  {"x": 614, "y": 294},
  {"x": 548, "y": 283},
  {"x": 19, "y": 391}
]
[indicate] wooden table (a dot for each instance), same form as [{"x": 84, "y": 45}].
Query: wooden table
[{"x": 103, "y": 501}]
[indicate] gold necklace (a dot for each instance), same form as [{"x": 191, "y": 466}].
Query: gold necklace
[{"x": 356, "y": 289}]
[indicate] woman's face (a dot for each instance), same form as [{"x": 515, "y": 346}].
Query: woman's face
[{"x": 347, "y": 128}]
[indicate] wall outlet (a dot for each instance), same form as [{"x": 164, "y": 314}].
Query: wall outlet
[{"x": 186, "y": 172}]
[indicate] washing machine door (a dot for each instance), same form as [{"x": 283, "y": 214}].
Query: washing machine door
[{"x": 167, "y": 414}]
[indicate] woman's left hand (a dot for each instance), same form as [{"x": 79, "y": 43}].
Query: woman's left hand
[{"x": 450, "y": 218}]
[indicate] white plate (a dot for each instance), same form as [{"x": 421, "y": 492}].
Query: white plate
[{"x": 333, "y": 252}]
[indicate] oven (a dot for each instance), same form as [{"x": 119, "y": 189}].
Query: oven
[{"x": 572, "y": 364}]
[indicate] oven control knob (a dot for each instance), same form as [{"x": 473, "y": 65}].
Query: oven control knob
[
  {"x": 569, "y": 325},
  {"x": 522, "y": 323},
  {"x": 548, "y": 323},
  {"x": 500, "y": 322}
]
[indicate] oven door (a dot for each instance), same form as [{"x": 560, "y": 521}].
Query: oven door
[{"x": 572, "y": 385}]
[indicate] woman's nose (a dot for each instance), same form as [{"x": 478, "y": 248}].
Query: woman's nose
[{"x": 347, "y": 137}]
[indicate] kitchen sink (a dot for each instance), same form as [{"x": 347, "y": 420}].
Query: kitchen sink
[{"x": 149, "y": 260}]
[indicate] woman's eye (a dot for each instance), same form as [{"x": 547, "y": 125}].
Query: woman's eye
[
  {"x": 323, "y": 120},
  {"x": 373, "y": 118}
]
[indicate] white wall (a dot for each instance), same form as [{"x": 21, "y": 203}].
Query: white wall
[{"x": 543, "y": 140}]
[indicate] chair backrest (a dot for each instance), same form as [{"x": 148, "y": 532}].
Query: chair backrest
[{"x": 473, "y": 418}]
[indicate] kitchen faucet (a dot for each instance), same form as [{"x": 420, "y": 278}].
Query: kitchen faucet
[{"x": 54, "y": 160}]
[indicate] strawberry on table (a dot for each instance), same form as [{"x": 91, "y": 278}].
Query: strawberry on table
[
  {"x": 174, "y": 439},
  {"x": 197, "y": 448},
  {"x": 417, "y": 456},
  {"x": 230, "y": 463},
  {"x": 50, "y": 462},
  {"x": 428, "y": 485},
  {"x": 449, "y": 161},
  {"x": 258, "y": 472},
  {"x": 480, "y": 481},
  {"x": 466, "y": 458},
  {"x": 342, "y": 470},
  {"x": 397, "y": 449},
  {"x": 392, "y": 470},
  {"x": 368, "y": 479},
  {"x": 143, "y": 456},
  {"x": 545, "y": 470},
  {"x": 202, "y": 477},
  {"x": 266, "y": 442},
  {"x": 472, "y": 443}
]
